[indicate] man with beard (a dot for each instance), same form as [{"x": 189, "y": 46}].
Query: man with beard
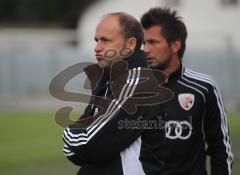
[{"x": 194, "y": 117}]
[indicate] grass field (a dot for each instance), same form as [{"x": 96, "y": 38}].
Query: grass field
[{"x": 31, "y": 144}]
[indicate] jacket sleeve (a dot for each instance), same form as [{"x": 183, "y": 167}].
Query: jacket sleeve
[
  {"x": 116, "y": 135},
  {"x": 114, "y": 131},
  {"x": 67, "y": 150},
  {"x": 217, "y": 134}
]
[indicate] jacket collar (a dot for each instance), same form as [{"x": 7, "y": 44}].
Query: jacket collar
[
  {"x": 96, "y": 74},
  {"x": 137, "y": 59},
  {"x": 177, "y": 74}
]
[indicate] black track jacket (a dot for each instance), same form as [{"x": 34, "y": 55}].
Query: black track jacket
[
  {"x": 193, "y": 119},
  {"x": 108, "y": 146}
]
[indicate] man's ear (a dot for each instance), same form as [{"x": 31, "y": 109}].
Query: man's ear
[
  {"x": 131, "y": 43},
  {"x": 176, "y": 45}
]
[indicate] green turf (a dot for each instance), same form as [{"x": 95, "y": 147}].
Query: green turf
[
  {"x": 234, "y": 127},
  {"x": 31, "y": 143}
]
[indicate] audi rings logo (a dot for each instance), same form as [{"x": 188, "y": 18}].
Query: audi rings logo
[{"x": 178, "y": 129}]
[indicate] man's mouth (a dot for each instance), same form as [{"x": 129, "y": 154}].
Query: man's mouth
[
  {"x": 150, "y": 59},
  {"x": 99, "y": 57}
]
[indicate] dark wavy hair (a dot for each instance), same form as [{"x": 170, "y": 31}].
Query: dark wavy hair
[{"x": 172, "y": 26}]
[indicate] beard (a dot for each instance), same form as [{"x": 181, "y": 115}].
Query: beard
[{"x": 162, "y": 66}]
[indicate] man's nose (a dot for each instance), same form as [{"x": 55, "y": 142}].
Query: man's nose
[
  {"x": 98, "y": 47},
  {"x": 146, "y": 48}
]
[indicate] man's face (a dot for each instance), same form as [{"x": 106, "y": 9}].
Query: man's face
[
  {"x": 109, "y": 41},
  {"x": 156, "y": 47}
]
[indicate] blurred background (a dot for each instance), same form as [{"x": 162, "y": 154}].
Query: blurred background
[{"x": 39, "y": 39}]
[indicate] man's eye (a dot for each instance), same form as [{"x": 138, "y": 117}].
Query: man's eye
[
  {"x": 153, "y": 42},
  {"x": 105, "y": 40},
  {"x": 150, "y": 42}
]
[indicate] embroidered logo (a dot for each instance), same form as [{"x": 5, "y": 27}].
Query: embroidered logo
[{"x": 186, "y": 101}]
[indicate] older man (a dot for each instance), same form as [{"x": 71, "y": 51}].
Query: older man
[{"x": 107, "y": 145}]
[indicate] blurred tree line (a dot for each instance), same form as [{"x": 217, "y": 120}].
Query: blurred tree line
[{"x": 63, "y": 13}]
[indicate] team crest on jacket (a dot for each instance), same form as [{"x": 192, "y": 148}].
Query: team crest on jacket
[{"x": 186, "y": 101}]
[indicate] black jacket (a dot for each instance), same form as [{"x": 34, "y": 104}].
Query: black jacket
[
  {"x": 108, "y": 146},
  {"x": 193, "y": 119}
]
